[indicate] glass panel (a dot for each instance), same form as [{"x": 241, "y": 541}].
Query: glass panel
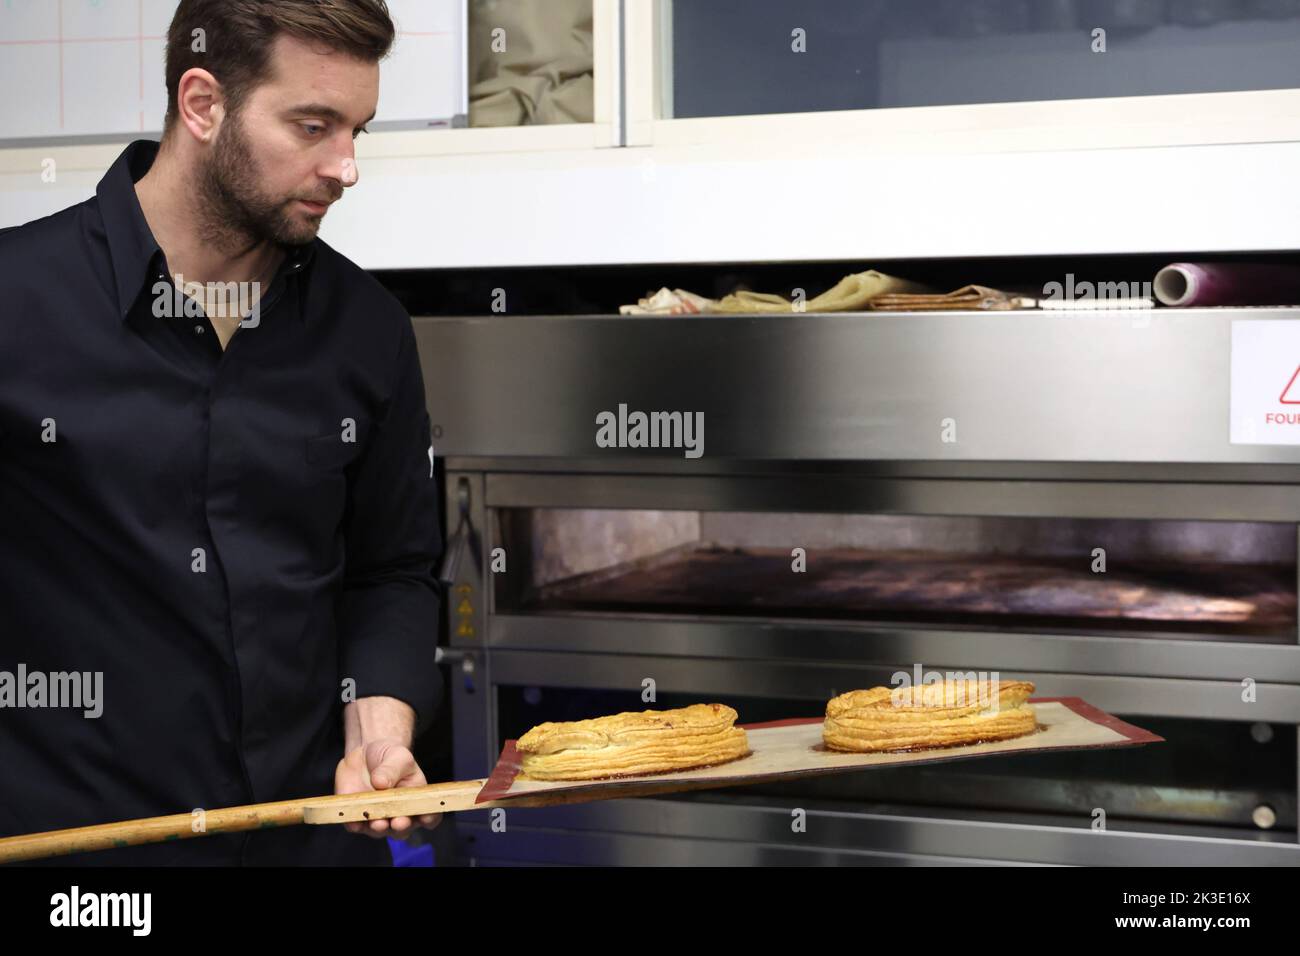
[
  {"x": 735, "y": 57},
  {"x": 530, "y": 63}
]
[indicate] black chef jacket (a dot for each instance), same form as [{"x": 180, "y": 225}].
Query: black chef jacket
[{"x": 195, "y": 526}]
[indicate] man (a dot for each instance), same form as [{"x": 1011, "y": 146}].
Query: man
[{"x": 217, "y": 506}]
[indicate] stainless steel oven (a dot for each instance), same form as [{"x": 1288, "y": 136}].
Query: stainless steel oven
[{"x": 1052, "y": 497}]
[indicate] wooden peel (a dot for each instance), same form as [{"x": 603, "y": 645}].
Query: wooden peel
[
  {"x": 786, "y": 752},
  {"x": 340, "y": 808},
  {"x": 372, "y": 805}
]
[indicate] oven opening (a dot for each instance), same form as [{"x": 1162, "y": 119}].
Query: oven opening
[
  {"x": 1179, "y": 579},
  {"x": 1207, "y": 773}
]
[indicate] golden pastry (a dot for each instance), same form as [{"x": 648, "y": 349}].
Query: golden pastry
[
  {"x": 944, "y": 714},
  {"x": 653, "y": 741}
]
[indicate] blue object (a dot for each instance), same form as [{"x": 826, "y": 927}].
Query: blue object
[{"x": 406, "y": 855}]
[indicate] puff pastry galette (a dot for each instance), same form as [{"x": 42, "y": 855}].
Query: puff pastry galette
[
  {"x": 653, "y": 741},
  {"x": 944, "y": 714}
]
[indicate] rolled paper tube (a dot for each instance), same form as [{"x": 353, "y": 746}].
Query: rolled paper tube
[{"x": 1195, "y": 284}]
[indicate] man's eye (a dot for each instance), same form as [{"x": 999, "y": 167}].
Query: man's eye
[
  {"x": 312, "y": 128},
  {"x": 358, "y": 132}
]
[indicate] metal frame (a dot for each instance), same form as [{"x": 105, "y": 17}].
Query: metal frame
[
  {"x": 1011, "y": 497},
  {"x": 1256, "y": 116},
  {"x": 828, "y": 645},
  {"x": 718, "y": 830},
  {"x": 1168, "y": 675},
  {"x": 473, "y": 693},
  {"x": 1132, "y": 388},
  {"x": 397, "y": 139}
]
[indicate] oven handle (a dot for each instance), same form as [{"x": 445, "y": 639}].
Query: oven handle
[
  {"x": 453, "y": 657},
  {"x": 462, "y": 538}
]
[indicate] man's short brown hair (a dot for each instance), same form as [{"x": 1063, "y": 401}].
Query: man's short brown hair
[{"x": 237, "y": 36}]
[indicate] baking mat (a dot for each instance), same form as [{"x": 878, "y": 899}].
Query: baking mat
[{"x": 793, "y": 748}]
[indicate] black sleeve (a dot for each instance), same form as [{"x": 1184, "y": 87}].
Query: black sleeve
[{"x": 389, "y": 606}]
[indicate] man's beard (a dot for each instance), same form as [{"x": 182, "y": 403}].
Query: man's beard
[{"x": 233, "y": 213}]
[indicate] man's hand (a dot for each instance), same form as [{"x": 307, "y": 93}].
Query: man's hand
[{"x": 377, "y": 756}]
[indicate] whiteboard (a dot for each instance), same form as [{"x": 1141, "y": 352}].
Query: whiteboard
[{"x": 89, "y": 70}]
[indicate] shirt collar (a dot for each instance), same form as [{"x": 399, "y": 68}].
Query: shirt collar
[{"x": 131, "y": 244}]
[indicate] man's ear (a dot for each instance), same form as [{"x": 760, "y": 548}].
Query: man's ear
[{"x": 200, "y": 104}]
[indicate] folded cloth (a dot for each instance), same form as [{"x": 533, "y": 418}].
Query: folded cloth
[
  {"x": 543, "y": 74},
  {"x": 863, "y": 290},
  {"x": 669, "y": 302},
  {"x": 967, "y": 297},
  {"x": 852, "y": 293},
  {"x": 849, "y": 294}
]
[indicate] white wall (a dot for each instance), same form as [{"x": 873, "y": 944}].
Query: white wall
[{"x": 760, "y": 201}]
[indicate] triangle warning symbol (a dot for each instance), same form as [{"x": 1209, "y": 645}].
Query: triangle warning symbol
[{"x": 1291, "y": 394}]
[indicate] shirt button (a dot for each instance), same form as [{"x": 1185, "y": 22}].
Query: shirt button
[{"x": 198, "y": 330}]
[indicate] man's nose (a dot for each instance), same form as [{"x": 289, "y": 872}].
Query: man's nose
[{"x": 343, "y": 166}]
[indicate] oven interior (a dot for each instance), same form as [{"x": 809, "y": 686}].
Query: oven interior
[{"x": 1182, "y": 579}]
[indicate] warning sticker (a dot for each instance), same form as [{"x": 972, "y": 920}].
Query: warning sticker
[{"x": 1265, "y": 386}]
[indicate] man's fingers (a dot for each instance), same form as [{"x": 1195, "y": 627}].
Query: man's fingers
[
  {"x": 396, "y": 826},
  {"x": 394, "y": 763},
  {"x": 389, "y": 765}
]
